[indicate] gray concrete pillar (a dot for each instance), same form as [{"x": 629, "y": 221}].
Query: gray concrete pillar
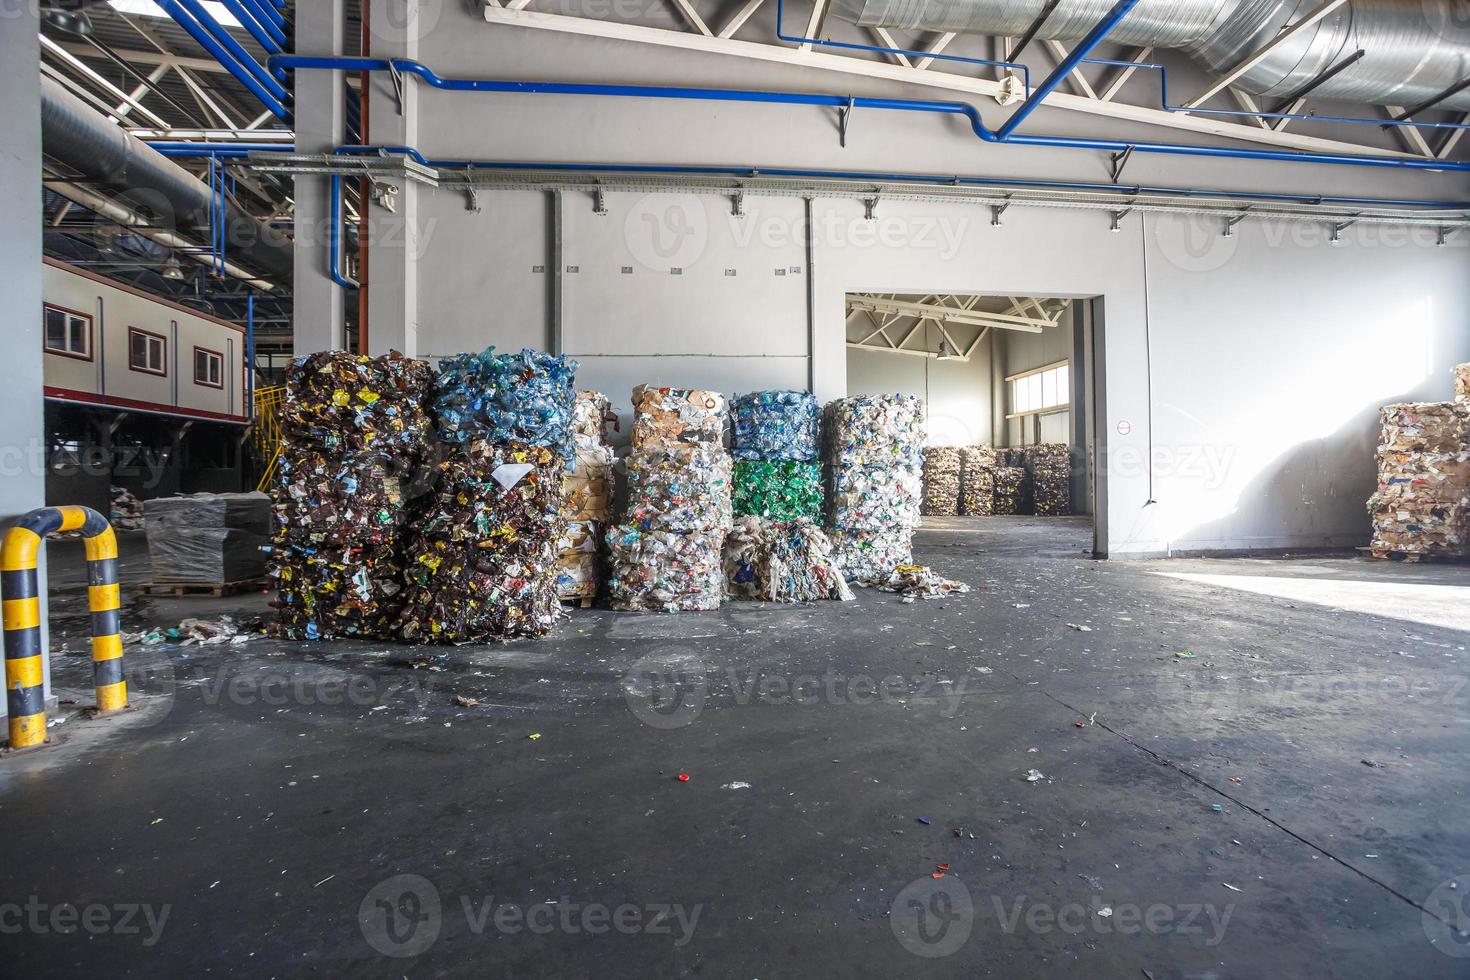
[{"x": 317, "y": 321}]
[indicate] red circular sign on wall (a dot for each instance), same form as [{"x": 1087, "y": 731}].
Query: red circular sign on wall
[{"x": 1124, "y": 427}]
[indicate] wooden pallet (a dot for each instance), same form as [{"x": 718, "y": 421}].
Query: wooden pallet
[
  {"x": 1407, "y": 557},
  {"x": 580, "y": 601},
  {"x": 217, "y": 590}
]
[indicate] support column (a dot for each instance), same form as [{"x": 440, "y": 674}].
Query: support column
[
  {"x": 317, "y": 320},
  {"x": 394, "y": 236},
  {"x": 22, "y": 437}
]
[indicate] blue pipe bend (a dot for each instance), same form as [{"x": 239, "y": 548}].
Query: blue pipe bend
[{"x": 977, "y": 124}]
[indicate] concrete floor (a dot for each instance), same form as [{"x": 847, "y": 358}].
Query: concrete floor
[{"x": 256, "y": 812}]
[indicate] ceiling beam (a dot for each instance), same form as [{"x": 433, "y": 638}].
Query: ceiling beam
[
  {"x": 947, "y": 314},
  {"x": 1234, "y": 74}
]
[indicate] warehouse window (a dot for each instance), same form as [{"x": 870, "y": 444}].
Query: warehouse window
[
  {"x": 68, "y": 332},
  {"x": 147, "y": 352},
  {"x": 1046, "y": 389},
  {"x": 209, "y": 368}
]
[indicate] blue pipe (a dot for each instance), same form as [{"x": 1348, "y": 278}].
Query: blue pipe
[
  {"x": 185, "y": 148},
  {"x": 236, "y": 50},
  {"x": 1081, "y": 50},
  {"x": 1305, "y": 117},
  {"x": 1011, "y": 65},
  {"x": 265, "y": 36},
  {"x": 334, "y": 237},
  {"x": 250, "y": 355},
  {"x": 268, "y": 16},
  {"x": 241, "y": 74},
  {"x": 977, "y": 124}
]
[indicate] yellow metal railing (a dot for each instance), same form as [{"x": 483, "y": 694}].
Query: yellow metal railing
[{"x": 266, "y": 436}]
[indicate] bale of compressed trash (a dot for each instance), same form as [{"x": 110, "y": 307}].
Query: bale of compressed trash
[
  {"x": 782, "y": 561},
  {"x": 774, "y": 425},
  {"x": 579, "y": 560},
  {"x": 679, "y": 489},
  {"x": 977, "y": 481},
  {"x": 587, "y": 499},
  {"x": 1049, "y": 470},
  {"x": 1421, "y": 506},
  {"x": 591, "y": 414},
  {"x": 338, "y": 402},
  {"x": 871, "y": 496},
  {"x": 525, "y": 398},
  {"x": 354, "y": 430},
  {"x": 482, "y": 562},
  {"x": 867, "y": 556},
  {"x": 678, "y": 418},
  {"x": 1462, "y": 384},
  {"x": 655, "y": 569},
  {"x": 781, "y": 490},
  {"x": 588, "y": 489},
  {"x": 208, "y": 538},
  {"x": 1009, "y": 495},
  {"x": 877, "y": 429},
  {"x": 943, "y": 466}
]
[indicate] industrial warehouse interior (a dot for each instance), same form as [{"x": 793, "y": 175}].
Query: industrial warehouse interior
[{"x": 736, "y": 488}]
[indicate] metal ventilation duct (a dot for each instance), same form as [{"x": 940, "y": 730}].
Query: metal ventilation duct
[{"x": 1416, "y": 49}]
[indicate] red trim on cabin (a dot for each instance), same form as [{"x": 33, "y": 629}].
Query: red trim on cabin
[
  {"x": 151, "y": 297},
  {"x": 91, "y": 332},
  {"x": 156, "y": 336},
  {"x": 132, "y": 404}
]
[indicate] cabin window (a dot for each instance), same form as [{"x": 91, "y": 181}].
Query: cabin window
[
  {"x": 68, "y": 333},
  {"x": 147, "y": 352},
  {"x": 209, "y": 368}
]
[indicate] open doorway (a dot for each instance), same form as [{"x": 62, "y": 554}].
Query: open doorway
[{"x": 1007, "y": 384}]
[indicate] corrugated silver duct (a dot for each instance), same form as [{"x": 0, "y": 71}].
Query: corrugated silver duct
[
  {"x": 144, "y": 180},
  {"x": 1416, "y": 49}
]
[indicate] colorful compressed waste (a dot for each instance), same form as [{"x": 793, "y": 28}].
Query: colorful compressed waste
[
  {"x": 588, "y": 495},
  {"x": 523, "y": 398},
  {"x": 977, "y": 482},
  {"x": 774, "y": 425},
  {"x": 875, "y": 446},
  {"x": 781, "y": 561},
  {"x": 919, "y": 582},
  {"x": 591, "y": 414},
  {"x": 871, "y": 496},
  {"x": 679, "y": 489},
  {"x": 868, "y": 556},
  {"x": 653, "y": 569},
  {"x": 1010, "y": 490},
  {"x": 1421, "y": 507},
  {"x": 352, "y": 428},
  {"x": 482, "y": 563},
  {"x": 943, "y": 466},
  {"x": 678, "y": 418},
  {"x": 1049, "y": 466},
  {"x": 779, "y": 490},
  {"x": 877, "y": 429}
]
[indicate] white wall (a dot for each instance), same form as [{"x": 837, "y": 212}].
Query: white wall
[{"x": 1267, "y": 352}]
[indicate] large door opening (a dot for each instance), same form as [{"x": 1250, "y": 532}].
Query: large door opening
[{"x": 1008, "y": 386}]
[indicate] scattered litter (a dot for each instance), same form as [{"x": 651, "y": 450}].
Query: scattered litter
[
  {"x": 1217, "y": 808},
  {"x": 324, "y": 881},
  {"x": 1371, "y": 764},
  {"x": 1185, "y": 655},
  {"x": 1034, "y": 775},
  {"x": 534, "y": 736},
  {"x": 465, "y": 702},
  {"x": 1079, "y": 627},
  {"x": 1106, "y": 913},
  {"x": 683, "y": 777},
  {"x": 1230, "y": 886},
  {"x": 1236, "y": 779},
  {"x": 736, "y": 785},
  {"x": 916, "y": 582},
  {"x": 925, "y": 821}
]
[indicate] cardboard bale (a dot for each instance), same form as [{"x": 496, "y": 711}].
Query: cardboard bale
[
  {"x": 679, "y": 489},
  {"x": 588, "y": 490},
  {"x": 658, "y": 570},
  {"x": 1424, "y": 427},
  {"x": 774, "y": 425},
  {"x": 781, "y": 561},
  {"x": 591, "y": 414},
  {"x": 778, "y": 490},
  {"x": 943, "y": 466},
  {"x": 579, "y": 560},
  {"x": 678, "y": 418},
  {"x": 1462, "y": 384}
]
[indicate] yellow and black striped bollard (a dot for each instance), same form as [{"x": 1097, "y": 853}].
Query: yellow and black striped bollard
[{"x": 24, "y": 674}]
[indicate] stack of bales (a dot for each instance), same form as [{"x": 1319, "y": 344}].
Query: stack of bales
[
  {"x": 1049, "y": 468},
  {"x": 774, "y": 442},
  {"x": 482, "y": 563},
  {"x": 977, "y": 480},
  {"x": 943, "y": 482},
  {"x": 1010, "y": 492},
  {"x": 665, "y": 556},
  {"x": 1422, "y": 505},
  {"x": 875, "y": 452},
  {"x": 588, "y": 499},
  {"x": 353, "y": 431}
]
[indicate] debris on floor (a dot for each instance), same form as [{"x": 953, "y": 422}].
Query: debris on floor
[
  {"x": 916, "y": 582},
  {"x": 126, "y": 510}
]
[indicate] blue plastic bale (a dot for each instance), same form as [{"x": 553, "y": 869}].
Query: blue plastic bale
[
  {"x": 526, "y": 397},
  {"x": 775, "y": 425}
]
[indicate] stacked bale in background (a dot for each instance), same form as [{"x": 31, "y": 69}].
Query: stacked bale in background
[
  {"x": 1462, "y": 383},
  {"x": 588, "y": 504},
  {"x": 774, "y": 442},
  {"x": 1009, "y": 493},
  {"x": 666, "y": 554},
  {"x": 1049, "y": 468},
  {"x": 353, "y": 431},
  {"x": 781, "y": 561},
  {"x": 943, "y": 482},
  {"x": 977, "y": 482},
  {"x": 1422, "y": 505},
  {"x": 875, "y": 447},
  {"x": 482, "y": 563}
]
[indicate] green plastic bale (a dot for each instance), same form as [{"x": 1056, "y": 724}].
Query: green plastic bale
[{"x": 780, "y": 491}]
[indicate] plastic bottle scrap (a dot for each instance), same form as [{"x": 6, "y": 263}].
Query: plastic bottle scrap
[
  {"x": 876, "y": 471},
  {"x": 977, "y": 481},
  {"x": 1010, "y": 490},
  {"x": 653, "y": 569},
  {"x": 674, "y": 418},
  {"x": 780, "y": 490},
  {"x": 943, "y": 466},
  {"x": 1421, "y": 507},
  {"x": 781, "y": 561},
  {"x": 679, "y": 489},
  {"x": 1049, "y": 468},
  {"x": 774, "y": 425},
  {"x": 919, "y": 582},
  {"x": 353, "y": 428},
  {"x": 523, "y": 398},
  {"x": 482, "y": 561}
]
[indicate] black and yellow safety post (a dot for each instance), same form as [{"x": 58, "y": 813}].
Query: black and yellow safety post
[{"x": 24, "y": 676}]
